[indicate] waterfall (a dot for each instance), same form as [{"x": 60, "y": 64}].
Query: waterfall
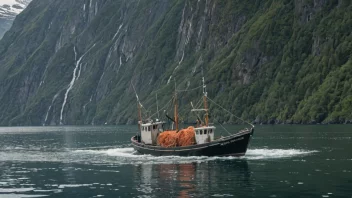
[
  {"x": 101, "y": 78},
  {"x": 90, "y": 100},
  {"x": 183, "y": 55},
  {"x": 118, "y": 69},
  {"x": 117, "y": 32},
  {"x": 74, "y": 78},
  {"x": 96, "y": 8},
  {"x": 168, "y": 81},
  {"x": 47, "y": 113}
]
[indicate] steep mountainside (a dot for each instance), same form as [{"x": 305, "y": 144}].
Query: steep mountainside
[
  {"x": 72, "y": 62},
  {"x": 8, "y": 11}
]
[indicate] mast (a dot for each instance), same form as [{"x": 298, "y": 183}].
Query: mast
[
  {"x": 157, "y": 105},
  {"x": 139, "y": 105},
  {"x": 139, "y": 114},
  {"x": 175, "y": 111},
  {"x": 205, "y": 103}
]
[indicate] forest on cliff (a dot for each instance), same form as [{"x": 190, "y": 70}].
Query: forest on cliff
[{"x": 274, "y": 61}]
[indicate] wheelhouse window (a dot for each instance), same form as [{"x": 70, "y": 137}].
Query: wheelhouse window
[
  {"x": 201, "y": 132},
  {"x": 210, "y": 131},
  {"x": 205, "y": 131},
  {"x": 148, "y": 128}
]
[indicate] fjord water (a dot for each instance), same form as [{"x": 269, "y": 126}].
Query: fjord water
[{"x": 282, "y": 161}]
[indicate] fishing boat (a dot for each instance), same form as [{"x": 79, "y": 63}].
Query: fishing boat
[{"x": 205, "y": 144}]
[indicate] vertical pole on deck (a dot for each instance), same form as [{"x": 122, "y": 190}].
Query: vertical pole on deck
[
  {"x": 139, "y": 109},
  {"x": 205, "y": 103},
  {"x": 176, "y": 110},
  {"x": 139, "y": 115},
  {"x": 157, "y": 105}
]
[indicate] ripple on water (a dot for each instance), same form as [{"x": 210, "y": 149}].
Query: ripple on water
[
  {"x": 73, "y": 185},
  {"x": 22, "y": 196},
  {"x": 222, "y": 195},
  {"x": 128, "y": 155},
  {"x": 15, "y": 190},
  {"x": 276, "y": 153}
]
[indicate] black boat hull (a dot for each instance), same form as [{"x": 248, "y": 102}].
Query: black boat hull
[{"x": 234, "y": 145}]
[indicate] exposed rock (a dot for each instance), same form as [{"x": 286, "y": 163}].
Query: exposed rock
[
  {"x": 8, "y": 11},
  {"x": 74, "y": 62}
]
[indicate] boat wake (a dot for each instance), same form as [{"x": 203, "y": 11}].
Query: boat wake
[
  {"x": 127, "y": 155},
  {"x": 114, "y": 152},
  {"x": 256, "y": 154},
  {"x": 130, "y": 155}
]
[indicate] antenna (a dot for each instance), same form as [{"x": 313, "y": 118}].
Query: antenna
[
  {"x": 205, "y": 94},
  {"x": 157, "y": 104},
  {"x": 204, "y": 86}
]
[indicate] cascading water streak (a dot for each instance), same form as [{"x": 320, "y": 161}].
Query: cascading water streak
[{"x": 74, "y": 78}]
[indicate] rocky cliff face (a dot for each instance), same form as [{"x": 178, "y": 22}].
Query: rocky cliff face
[
  {"x": 72, "y": 62},
  {"x": 9, "y": 9}
]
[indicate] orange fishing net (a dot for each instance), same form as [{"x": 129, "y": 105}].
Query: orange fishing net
[
  {"x": 167, "y": 139},
  {"x": 184, "y": 137}
]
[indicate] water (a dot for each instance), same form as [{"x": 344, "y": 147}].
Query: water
[{"x": 282, "y": 161}]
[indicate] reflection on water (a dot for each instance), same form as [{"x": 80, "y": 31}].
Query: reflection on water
[
  {"x": 290, "y": 161},
  {"x": 69, "y": 173},
  {"x": 190, "y": 179}
]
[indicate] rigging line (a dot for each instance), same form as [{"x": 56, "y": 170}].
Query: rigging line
[
  {"x": 199, "y": 103},
  {"x": 135, "y": 92},
  {"x": 161, "y": 87},
  {"x": 224, "y": 127},
  {"x": 162, "y": 108},
  {"x": 181, "y": 96},
  {"x": 139, "y": 102},
  {"x": 196, "y": 107},
  {"x": 143, "y": 107},
  {"x": 230, "y": 112},
  {"x": 184, "y": 90},
  {"x": 197, "y": 115},
  {"x": 156, "y": 91}
]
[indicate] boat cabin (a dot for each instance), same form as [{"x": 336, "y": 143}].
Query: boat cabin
[
  {"x": 150, "y": 132},
  {"x": 204, "y": 134}
]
